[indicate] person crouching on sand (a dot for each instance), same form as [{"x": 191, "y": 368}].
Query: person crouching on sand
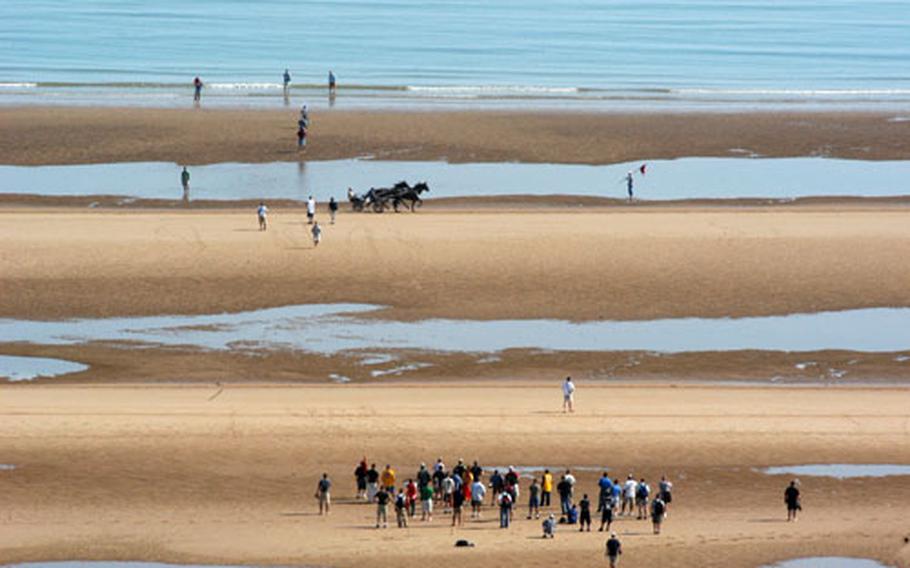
[
  {"x": 317, "y": 234},
  {"x": 549, "y": 526}
]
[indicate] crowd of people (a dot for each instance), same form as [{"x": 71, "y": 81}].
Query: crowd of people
[
  {"x": 472, "y": 489},
  {"x": 315, "y": 229}
]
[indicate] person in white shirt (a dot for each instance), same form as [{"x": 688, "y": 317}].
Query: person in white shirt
[
  {"x": 478, "y": 491},
  {"x": 310, "y": 210},
  {"x": 568, "y": 395},
  {"x": 629, "y": 489},
  {"x": 261, "y": 213}
]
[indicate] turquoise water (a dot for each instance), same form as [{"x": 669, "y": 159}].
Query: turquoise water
[{"x": 604, "y": 54}]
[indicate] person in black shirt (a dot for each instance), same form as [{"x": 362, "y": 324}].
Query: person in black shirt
[
  {"x": 476, "y": 471},
  {"x": 496, "y": 484},
  {"x": 382, "y": 506},
  {"x": 457, "y": 504},
  {"x": 614, "y": 550},
  {"x": 585, "y": 516},
  {"x": 564, "y": 488},
  {"x": 791, "y": 498},
  {"x": 372, "y": 482}
]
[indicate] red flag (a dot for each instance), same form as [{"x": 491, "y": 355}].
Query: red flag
[{"x": 642, "y": 168}]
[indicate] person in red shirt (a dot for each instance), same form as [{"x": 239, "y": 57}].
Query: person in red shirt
[{"x": 410, "y": 493}]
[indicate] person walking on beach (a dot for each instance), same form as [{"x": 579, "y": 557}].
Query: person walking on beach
[
  {"x": 658, "y": 511},
  {"x": 333, "y": 210},
  {"x": 197, "y": 89},
  {"x": 261, "y": 213},
  {"x": 630, "y": 181},
  {"x": 568, "y": 395},
  {"x": 382, "y": 505},
  {"x": 665, "y": 490},
  {"x": 791, "y": 498},
  {"x": 411, "y": 495},
  {"x": 585, "y": 513},
  {"x": 322, "y": 494},
  {"x": 332, "y": 82},
  {"x": 310, "y": 210},
  {"x": 301, "y": 137},
  {"x": 317, "y": 234},
  {"x": 287, "y": 81},
  {"x": 613, "y": 551},
  {"x": 185, "y": 182},
  {"x": 546, "y": 488}
]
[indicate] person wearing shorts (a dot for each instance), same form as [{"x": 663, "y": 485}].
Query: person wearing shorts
[
  {"x": 791, "y": 498},
  {"x": 584, "y": 518},
  {"x": 613, "y": 550},
  {"x": 658, "y": 508},
  {"x": 534, "y": 500},
  {"x": 606, "y": 515},
  {"x": 262, "y": 213}
]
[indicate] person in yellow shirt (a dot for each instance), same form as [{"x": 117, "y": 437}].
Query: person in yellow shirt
[
  {"x": 546, "y": 487},
  {"x": 388, "y": 478}
]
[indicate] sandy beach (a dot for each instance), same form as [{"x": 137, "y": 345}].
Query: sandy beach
[
  {"x": 185, "y": 474},
  {"x": 60, "y": 135},
  {"x": 629, "y": 263}
]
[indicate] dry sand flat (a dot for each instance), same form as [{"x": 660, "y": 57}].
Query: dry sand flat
[
  {"x": 57, "y": 135},
  {"x": 622, "y": 264},
  {"x": 173, "y": 474}
]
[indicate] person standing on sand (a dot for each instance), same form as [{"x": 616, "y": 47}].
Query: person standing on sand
[
  {"x": 360, "y": 475},
  {"x": 585, "y": 516},
  {"x": 458, "y": 499},
  {"x": 317, "y": 234},
  {"x": 606, "y": 514},
  {"x": 310, "y": 210},
  {"x": 401, "y": 509},
  {"x": 642, "y": 494},
  {"x": 372, "y": 483},
  {"x": 658, "y": 510},
  {"x": 791, "y": 498},
  {"x": 333, "y": 209},
  {"x": 387, "y": 479},
  {"x": 197, "y": 89},
  {"x": 426, "y": 503},
  {"x": 613, "y": 551},
  {"x": 630, "y": 488},
  {"x": 505, "y": 509},
  {"x": 478, "y": 492},
  {"x": 568, "y": 395},
  {"x": 322, "y": 494},
  {"x": 261, "y": 213},
  {"x": 546, "y": 488},
  {"x": 565, "y": 495},
  {"x": 534, "y": 500},
  {"x": 185, "y": 182},
  {"x": 382, "y": 505},
  {"x": 332, "y": 82}
]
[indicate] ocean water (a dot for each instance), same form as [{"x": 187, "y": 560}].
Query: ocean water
[{"x": 606, "y": 54}]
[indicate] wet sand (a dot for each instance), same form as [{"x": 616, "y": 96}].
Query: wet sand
[
  {"x": 60, "y": 135},
  {"x": 194, "y": 474},
  {"x": 601, "y": 263}
]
